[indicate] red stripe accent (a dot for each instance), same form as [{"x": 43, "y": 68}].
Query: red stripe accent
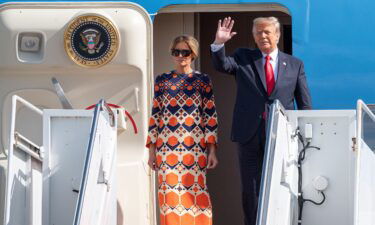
[
  {"x": 133, "y": 122},
  {"x": 114, "y": 106},
  {"x": 90, "y": 107},
  {"x": 125, "y": 112}
]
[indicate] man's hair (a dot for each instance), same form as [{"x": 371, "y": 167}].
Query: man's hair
[{"x": 269, "y": 20}]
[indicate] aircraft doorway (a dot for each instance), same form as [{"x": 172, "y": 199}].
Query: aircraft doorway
[{"x": 224, "y": 181}]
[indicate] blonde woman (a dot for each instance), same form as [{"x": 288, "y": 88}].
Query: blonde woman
[{"x": 182, "y": 138}]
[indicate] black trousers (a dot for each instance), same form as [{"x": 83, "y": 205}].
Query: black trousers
[{"x": 250, "y": 156}]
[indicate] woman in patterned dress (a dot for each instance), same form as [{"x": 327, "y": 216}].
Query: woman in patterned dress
[{"x": 182, "y": 138}]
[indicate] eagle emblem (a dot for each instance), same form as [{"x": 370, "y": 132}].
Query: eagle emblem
[{"x": 90, "y": 41}]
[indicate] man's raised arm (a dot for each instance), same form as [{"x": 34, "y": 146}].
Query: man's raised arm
[{"x": 224, "y": 33}]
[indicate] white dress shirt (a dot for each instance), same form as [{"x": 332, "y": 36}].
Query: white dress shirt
[{"x": 274, "y": 57}]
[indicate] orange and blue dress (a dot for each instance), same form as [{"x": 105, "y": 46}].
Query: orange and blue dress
[{"x": 183, "y": 122}]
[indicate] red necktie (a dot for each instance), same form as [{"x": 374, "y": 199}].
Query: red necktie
[{"x": 270, "y": 78}]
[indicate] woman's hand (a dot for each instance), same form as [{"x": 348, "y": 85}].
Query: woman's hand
[
  {"x": 212, "y": 159},
  {"x": 152, "y": 157}
]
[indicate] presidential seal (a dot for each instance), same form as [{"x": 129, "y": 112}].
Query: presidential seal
[{"x": 91, "y": 40}]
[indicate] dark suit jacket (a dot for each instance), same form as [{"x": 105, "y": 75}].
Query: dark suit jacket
[{"x": 252, "y": 99}]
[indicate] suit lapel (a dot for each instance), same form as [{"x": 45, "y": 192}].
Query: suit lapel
[
  {"x": 260, "y": 69},
  {"x": 281, "y": 70}
]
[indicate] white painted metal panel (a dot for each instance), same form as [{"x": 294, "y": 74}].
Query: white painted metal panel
[
  {"x": 126, "y": 81},
  {"x": 25, "y": 185},
  {"x": 332, "y": 132},
  {"x": 365, "y": 166},
  {"x": 366, "y": 188},
  {"x": 279, "y": 190},
  {"x": 36, "y": 190},
  {"x": 283, "y": 190},
  {"x": 333, "y": 161},
  {"x": 66, "y": 135},
  {"x": 97, "y": 195}
]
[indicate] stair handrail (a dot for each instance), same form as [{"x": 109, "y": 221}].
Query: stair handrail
[{"x": 15, "y": 99}]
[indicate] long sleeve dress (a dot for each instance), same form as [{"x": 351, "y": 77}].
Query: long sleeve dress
[{"x": 183, "y": 122}]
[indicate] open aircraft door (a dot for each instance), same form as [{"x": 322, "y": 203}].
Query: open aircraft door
[{"x": 96, "y": 50}]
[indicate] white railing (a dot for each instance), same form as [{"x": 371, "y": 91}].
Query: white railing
[
  {"x": 362, "y": 107},
  {"x": 265, "y": 186},
  {"x": 364, "y": 176},
  {"x": 12, "y": 145}
]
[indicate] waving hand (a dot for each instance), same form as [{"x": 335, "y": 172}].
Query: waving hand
[{"x": 224, "y": 31}]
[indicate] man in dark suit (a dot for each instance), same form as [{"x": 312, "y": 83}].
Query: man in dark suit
[{"x": 262, "y": 75}]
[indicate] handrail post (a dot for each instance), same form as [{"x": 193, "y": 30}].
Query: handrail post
[
  {"x": 361, "y": 107},
  {"x": 15, "y": 99}
]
